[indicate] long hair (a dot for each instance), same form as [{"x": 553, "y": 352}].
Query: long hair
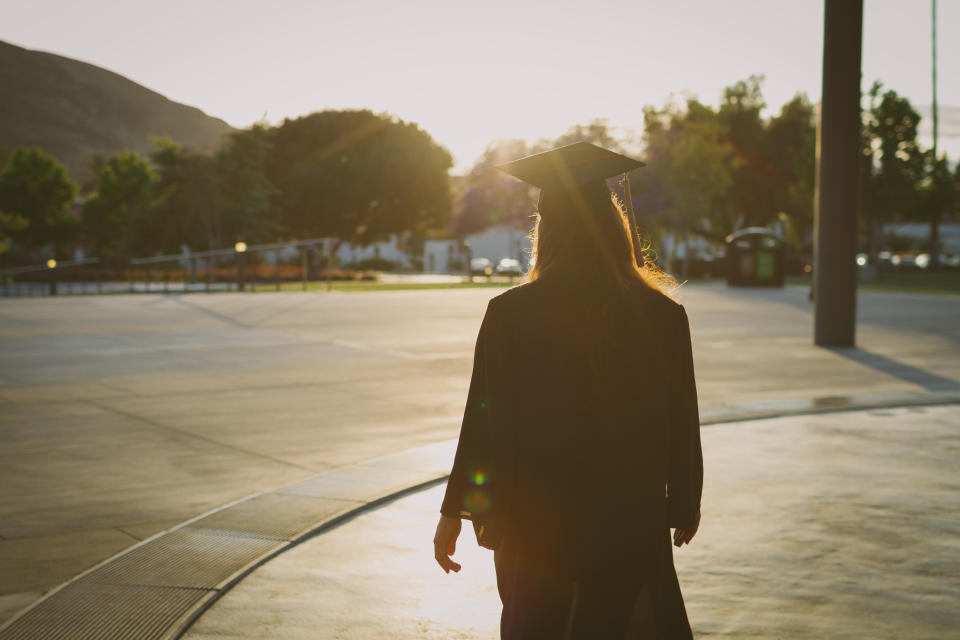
[
  {"x": 583, "y": 239},
  {"x": 585, "y": 235}
]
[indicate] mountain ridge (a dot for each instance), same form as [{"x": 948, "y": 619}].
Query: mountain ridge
[{"x": 75, "y": 110}]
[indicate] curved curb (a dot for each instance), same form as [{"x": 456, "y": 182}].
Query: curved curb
[
  {"x": 203, "y": 606},
  {"x": 176, "y": 575},
  {"x": 157, "y": 587}
]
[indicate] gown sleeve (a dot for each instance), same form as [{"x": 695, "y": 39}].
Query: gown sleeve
[
  {"x": 685, "y": 474},
  {"x": 469, "y": 493}
]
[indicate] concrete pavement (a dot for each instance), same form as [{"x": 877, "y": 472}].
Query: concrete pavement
[
  {"x": 124, "y": 416},
  {"x": 838, "y": 525}
]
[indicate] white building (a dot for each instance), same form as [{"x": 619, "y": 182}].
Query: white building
[
  {"x": 920, "y": 232},
  {"x": 501, "y": 242},
  {"x": 444, "y": 255}
]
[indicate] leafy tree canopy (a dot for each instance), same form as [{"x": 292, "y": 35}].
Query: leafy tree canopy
[
  {"x": 245, "y": 190},
  {"x": 489, "y": 197},
  {"x": 124, "y": 192},
  {"x": 188, "y": 202},
  {"x": 692, "y": 166},
  {"x": 357, "y": 176},
  {"x": 896, "y": 158},
  {"x": 35, "y": 198}
]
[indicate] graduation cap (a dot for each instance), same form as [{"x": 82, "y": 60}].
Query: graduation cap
[
  {"x": 574, "y": 167},
  {"x": 570, "y": 167}
]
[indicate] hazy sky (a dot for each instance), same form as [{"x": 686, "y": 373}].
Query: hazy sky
[{"x": 471, "y": 72}]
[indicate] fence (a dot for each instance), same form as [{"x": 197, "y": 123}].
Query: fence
[{"x": 238, "y": 268}]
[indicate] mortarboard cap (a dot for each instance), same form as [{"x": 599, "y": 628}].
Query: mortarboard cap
[{"x": 570, "y": 166}]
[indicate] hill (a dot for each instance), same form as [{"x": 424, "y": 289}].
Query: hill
[{"x": 74, "y": 111}]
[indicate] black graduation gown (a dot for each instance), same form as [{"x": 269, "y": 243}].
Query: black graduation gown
[{"x": 580, "y": 448}]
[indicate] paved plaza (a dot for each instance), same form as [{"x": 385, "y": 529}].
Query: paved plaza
[
  {"x": 840, "y": 525},
  {"x": 123, "y": 416}
]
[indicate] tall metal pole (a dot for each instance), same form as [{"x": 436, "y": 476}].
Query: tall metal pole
[
  {"x": 835, "y": 275},
  {"x": 935, "y": 214},
  {"x": 933, "y": 47}
]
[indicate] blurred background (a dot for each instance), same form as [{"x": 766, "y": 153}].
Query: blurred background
[
  {"x": 149, "y": 147},
  {"x": 156, "y": 449}
]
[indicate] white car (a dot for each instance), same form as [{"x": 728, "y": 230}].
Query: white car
[{"x": 509, "y": 267}]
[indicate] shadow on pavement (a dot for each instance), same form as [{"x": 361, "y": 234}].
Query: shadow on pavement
[{"x": 908, "y": 373}]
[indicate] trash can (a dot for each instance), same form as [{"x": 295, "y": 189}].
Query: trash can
[{"x": 755, "y": 258}]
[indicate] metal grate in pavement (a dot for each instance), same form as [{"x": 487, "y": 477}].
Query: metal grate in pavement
[
  {"x": 187, "y": 557},
  {"x": 155, "y": 590},
  {"x": 275, "y": 515},
  {"x": 105, "y": 612}
]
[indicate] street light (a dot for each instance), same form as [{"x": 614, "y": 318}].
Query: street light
[
  {"x": 52, "y": 264},
  {"x": 241, "y": 249}
]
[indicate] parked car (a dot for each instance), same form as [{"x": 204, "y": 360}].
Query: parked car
[
  {"x": 509, "y": 267},
  {"x": 481, "y": 267},
  {"x": 906, "y": 259},
  {"x": 943, "y": 260}
]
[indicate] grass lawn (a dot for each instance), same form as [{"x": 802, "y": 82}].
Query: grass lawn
[{"x": 367, "y": 285}]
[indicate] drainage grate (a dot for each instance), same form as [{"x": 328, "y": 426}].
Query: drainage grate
[
  {"x": 149, "y": 592},
  {"x": 104, "y": 612},
  {"x": 185, "y": 557},
  {"x": 275, "y": 515}
]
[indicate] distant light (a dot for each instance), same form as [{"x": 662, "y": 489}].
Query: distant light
[
  {"x": 862, "y": 261},
  {"x": 922, "y": 260},
  {"x": 807, "y": 268},
  {"x": 51, "y": 263},
  {"x": 240, "y": 247}
]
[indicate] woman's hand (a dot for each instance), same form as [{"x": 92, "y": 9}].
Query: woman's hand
[
  {"x": 445, "y": 543},
  {"x": 684, "y": 535}
]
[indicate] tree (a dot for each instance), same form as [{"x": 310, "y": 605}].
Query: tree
[
  {"x": 244, "y": 187},
  {"x": 693, "y": 167},
  {"x": 938, "y": 196},
  {"x": 596, "y": 132},
  {"x": 893, "y": 162},
  {"x": 790, "y": 140},
  {"x": 10, "y": 223},
  {"x": 124, "y": 193},
  {"x": 357, "y": 177},
  {"x": 751, "y": 196},
  {"x": 35, "y": 198},
  {"x": 490, "y": 197},
  {"x": 187, "y": 209}
]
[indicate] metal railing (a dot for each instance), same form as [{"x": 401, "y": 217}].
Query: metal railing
[{"x": 240, "y": 268}]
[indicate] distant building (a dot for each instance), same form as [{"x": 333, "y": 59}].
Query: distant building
[
  {"x": 390, "y": 250},
  {"x": 501, "y": 242},
  {"x": 920, "y": 232},
  {"x": 440, "y": 254}
]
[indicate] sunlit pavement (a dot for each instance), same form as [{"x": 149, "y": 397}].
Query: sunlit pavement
[
  {"x": 122, "y": 416},
  {"x": 840, "y": 525}
]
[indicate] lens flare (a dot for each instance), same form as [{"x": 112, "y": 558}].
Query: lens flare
[{"x": 477, "y": 501}]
